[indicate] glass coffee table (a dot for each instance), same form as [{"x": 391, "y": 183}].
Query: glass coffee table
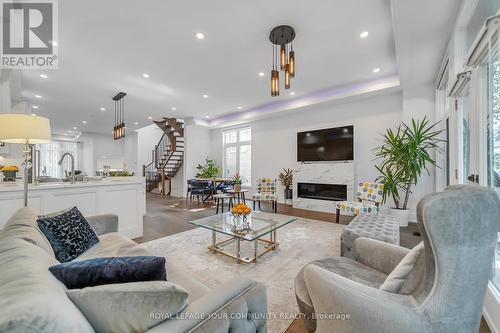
[{"x": 260, "y": 228}]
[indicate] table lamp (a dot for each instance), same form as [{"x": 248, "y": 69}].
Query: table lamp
[{"x": 27, "y": 130}]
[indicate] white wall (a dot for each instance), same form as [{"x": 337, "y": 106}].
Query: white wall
[
  {"x": 274, "y": 139},
  {"x": 106, "y": 147},
  {"x": 418, "y": 102},
  {"x": 147, "y": 138},
  {"x": 15, "y": 156},
  {"x": 86, "y": 161},
  {"x": 197, "y": 149},
  {"x": 5, "y": 96},
  {"x": 95, "y": 146},
  {"x": 130, "y": 153}
]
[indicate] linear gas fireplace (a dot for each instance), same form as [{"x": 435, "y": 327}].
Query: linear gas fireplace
[{"x": 330, "y": 192}]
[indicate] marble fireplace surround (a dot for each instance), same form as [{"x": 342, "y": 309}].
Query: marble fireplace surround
[{"x": 322, "y": 173}]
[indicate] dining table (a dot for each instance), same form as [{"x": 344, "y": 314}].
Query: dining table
[{"x": 217, "y": 181}]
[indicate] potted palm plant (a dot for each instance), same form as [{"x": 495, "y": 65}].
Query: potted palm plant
[
  {"x": 286, "y": 181},
  {"x": 404, "y": 154}
]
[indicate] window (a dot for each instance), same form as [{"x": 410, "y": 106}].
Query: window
[
  {"x": 443, "y": 114},
  {"x": 50, "y": 154},
  {"x": 466, "y": 149},
  {"x": 447, "y": 152},
  {"x": 238, "y": 153},
  {"x": 493, "y": 143},
  {"x": 494, "y": 124}
]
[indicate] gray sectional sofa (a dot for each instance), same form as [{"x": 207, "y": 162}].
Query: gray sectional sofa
[{"x": 33, "y": 300}]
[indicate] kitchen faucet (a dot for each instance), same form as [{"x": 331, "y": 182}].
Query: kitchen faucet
[{"x": 72, "y": 165}]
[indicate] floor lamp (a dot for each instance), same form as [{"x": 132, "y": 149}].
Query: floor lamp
[{"x": 26, "y": 130}]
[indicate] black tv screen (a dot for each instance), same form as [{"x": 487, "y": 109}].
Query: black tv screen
[{"x": 332, "y": 144}]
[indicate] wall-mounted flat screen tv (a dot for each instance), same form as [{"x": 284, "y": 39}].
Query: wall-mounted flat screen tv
[{"x": 332, "y": 144}]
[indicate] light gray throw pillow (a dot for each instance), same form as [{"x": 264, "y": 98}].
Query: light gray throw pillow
[
  {"x": 129, "y": 307},
  {"x": 407, "y": 275}
]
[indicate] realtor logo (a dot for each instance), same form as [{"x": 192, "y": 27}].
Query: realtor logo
[{"x": 29, "y": 34}]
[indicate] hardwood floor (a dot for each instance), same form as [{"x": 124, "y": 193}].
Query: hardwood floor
[{"x": 168, "y": 215}]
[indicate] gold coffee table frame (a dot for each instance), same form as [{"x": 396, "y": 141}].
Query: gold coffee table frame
[
  {"x": 270, "y": 245},
  {"x": 262, "y": 232}
]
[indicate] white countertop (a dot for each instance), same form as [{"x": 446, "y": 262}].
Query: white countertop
[{"x": 110, "y": 181}]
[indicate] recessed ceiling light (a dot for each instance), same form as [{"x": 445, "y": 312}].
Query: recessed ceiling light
[
  {"x": 102, "y": 108},
  {"x": 173, "y": 108},
  {"x": 199, "y": 35},
  {"x": 43, "y": 76},
  {"x": 364, "y": 34},
  {"x": 84, "y": 122},
  {"x": 205, "y": 96},
  {"x": 34, "y": 106},
  {"x": 136, "y": 123},
  {"x": 376, "y": 70},
  {"x": 207, "y": 117},
  {"x": 33, "y": 114},
  {"x": 292, "y": 92},
  {"x": 261, "y": 74},
  {"x": 145, "y": 75},
  {"x": 75, "y": 128},
  {"x": 150, "y": 118},
  {"x": 38, "y": 96},
  {"x": 240, "y": 107}
]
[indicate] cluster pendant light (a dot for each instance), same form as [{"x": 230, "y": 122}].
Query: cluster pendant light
[
  {"x": 284, "y": 59},
  {"x": 119, "y": 129}
]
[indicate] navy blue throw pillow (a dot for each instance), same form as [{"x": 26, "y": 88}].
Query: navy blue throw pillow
[
  {"x": 68, "y": 233},
  {"x": 98, "y": 271}
]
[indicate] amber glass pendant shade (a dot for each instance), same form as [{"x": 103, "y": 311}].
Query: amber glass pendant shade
[
  {"x": 119, "y": 131},
  {"x": 287, "y": 76},
  {"x": 273, "y": 84},
  {"x": 276, "y": 80},
  {"x": 292, "y": 63},
  {"x": 282, "y": 57}
]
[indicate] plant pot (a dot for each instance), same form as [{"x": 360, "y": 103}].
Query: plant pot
[
  {"x": 237, "y": 187},
  {"x": 288, "y": 194},
  {"x": 401, "y": 215}
]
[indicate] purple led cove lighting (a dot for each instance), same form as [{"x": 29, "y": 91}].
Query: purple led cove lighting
[{"x": 320, "y": 96}]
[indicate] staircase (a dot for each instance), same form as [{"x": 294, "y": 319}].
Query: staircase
[{"x": 166, "y": 158}]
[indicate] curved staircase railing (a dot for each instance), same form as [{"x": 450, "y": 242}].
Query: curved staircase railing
[{"x": 166, "y": 157}]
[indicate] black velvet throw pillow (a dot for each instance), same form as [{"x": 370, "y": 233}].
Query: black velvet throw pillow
[
  {"x": 68, "y": 232},
  {"x": 99, "y": 271}
]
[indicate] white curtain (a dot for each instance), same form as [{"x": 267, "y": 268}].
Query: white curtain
[{"x": 50, "y": 154}]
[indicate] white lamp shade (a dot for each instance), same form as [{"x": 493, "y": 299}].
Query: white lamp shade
[{"x": 19, "y": 128}]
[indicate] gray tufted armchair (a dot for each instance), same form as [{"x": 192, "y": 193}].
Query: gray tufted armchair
[{"x": 459, "y": 228}]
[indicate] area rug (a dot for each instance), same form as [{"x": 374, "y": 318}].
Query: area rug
[{"x": 300, "y": 242}]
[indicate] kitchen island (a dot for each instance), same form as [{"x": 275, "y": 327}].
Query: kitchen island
[{"x": 123, "y": 196}]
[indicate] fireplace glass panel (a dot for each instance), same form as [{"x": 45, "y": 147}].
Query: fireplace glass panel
[{"x": 331, "y": 192}]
